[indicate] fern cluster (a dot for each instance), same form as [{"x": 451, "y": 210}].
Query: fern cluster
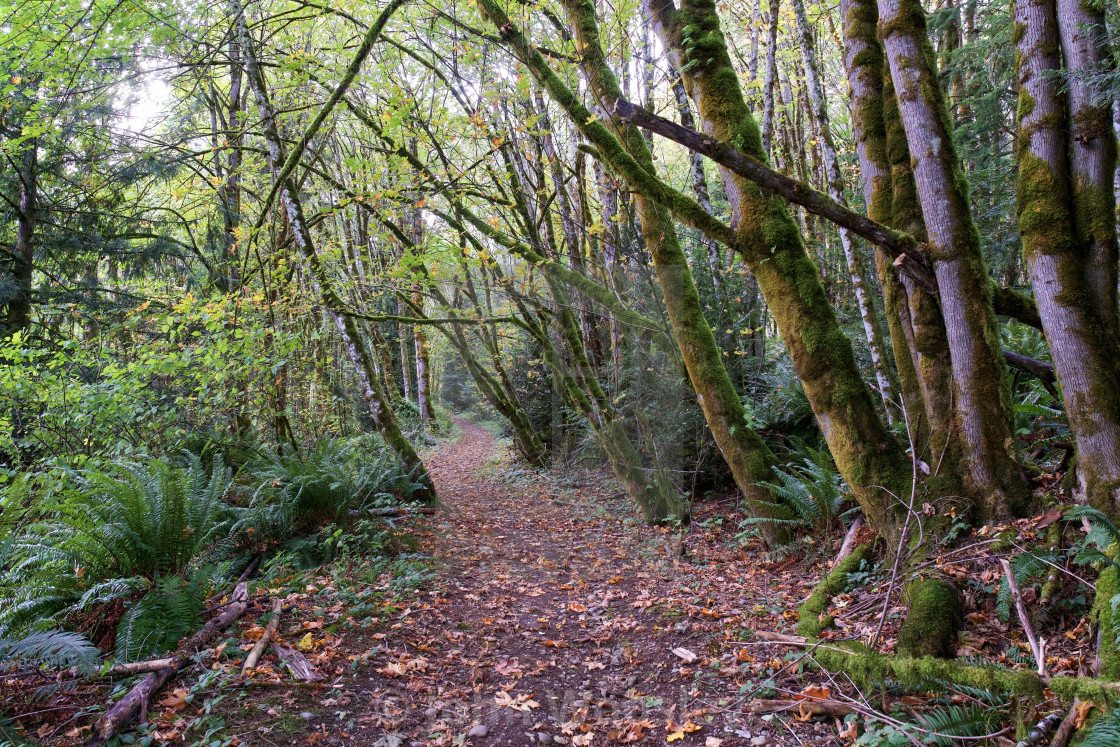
[
  {"x": 156, "y": 530},
  {"x": 150, "y": 543},
  {"x": 809, "y": 493},
  {"x": 297, "y": 494}
]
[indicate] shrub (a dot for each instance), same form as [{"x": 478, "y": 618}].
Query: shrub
[{"x": 296, "y": 493}]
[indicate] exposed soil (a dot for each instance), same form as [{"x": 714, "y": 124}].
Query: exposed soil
[{"x": 557, "y": 614}]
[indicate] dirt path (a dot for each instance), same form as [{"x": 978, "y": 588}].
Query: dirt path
[{"x": 555, "y": 619}]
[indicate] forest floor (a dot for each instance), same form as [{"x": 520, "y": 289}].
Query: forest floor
[
  {"x": 555, "y": 616},
  {"x": 535, "y": 607}
]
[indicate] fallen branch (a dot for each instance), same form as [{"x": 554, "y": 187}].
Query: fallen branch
[
  {"x": 1041, "y": 370},
  {"x": 137, "y": 699},
  {"x": 212, "y": 604},
  {"x": 903, "y": 248},
  {"x": 402, "y": 511},
  {"x": 1038, "y": 645},
  {"x": 804, "y": 708},
  {"x": 1067, "y": 727},
  {"x": 1040, "y": 730},
  {"x": 127, "y": 668},
  {"x": 796, "y": 640},
  {"x": 269, "y": 632}
]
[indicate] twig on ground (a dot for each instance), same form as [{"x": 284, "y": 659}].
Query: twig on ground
[
  {"x": 269, "y": 632},
  {"x": 136, "y": 701},
  {"x": 1038, "y": 645}
]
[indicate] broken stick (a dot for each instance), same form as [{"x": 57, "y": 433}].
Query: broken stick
[
  {"x": 1038, "y": 645},
  {"x": 804, "y": 708},
  {"x": 269, "y": 631}
]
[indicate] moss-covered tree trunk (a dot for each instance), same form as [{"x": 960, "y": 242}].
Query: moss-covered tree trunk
[
  {"x": 699, "y": 181},
  {"x": 744, "y": 451},
  {"x": 863, "y": 63},
  {"x": 625, "y": 150},
  {"x": 917, "y": 329},
  {"x": 1060, "y": 257},
  {"x": 1085, "y": 47},
  {"x": 767, "y": 237},
  {"x": 656, "y": 497},
  {"x": 288, "y": 195},
  {"x": 992, "y": 476}
]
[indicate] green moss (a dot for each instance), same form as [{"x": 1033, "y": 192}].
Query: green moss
[
  {"x": 812, "y": 614},
  {"x": 870, "y": 670},
  {"x": 935, "y": 616},
  {"x": 1108, "y": 586}
]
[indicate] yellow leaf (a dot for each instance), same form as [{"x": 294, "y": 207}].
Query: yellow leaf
[
  {"x": 305, "y": 643},
  {"x": 675, "y": 736}
]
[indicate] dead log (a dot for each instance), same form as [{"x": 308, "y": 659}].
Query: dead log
[
  {"x": 130, "y": 668},
  {"x": 137, "y": 699},
  {"x": 1066, "y": 727},
  {"x": 296, "y": 662},
  {"x": 804, "y": 708},
  {"x": 269, "y": 632},
  {"x": 849, "y": 540}
]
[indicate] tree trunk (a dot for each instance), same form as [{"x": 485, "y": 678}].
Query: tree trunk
[
  {"x": 23, "y": 253},
  {"x": 865, "y": 452},
  {"x": 1085, "y": 46},
  {"x": 992, "y": 476},
  {"x": 742, "y": 448},
  {"x": 364, "y": 370},
  {"x": 771, "y": 77},
  {"x": 1058, "y": 255},
  {"x": 835, "y": 184},
  {"x": 699, "y": 181}
]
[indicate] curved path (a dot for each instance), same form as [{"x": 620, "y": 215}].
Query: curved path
[{"x": 557, "y": 618}]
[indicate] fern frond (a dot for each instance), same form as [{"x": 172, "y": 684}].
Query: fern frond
[
  {"x": 55, "y": 649},
  {"x": 952, "y": 721},
  {"x": 1105, "y": 733}
]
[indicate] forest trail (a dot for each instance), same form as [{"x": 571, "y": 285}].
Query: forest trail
[{"x": 555, "y": 620}]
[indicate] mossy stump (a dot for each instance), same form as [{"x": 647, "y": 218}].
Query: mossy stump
[{"x": 936, "y": 614}]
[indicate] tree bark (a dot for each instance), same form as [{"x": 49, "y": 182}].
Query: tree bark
[
  {"x": 625, "y": 148},
  {"x": 865, "y": 452},
  {"x": 771, "y": 77},
  {"x": 23, "y": 252},
  {"x": 835, "y": 183},
  {"x": 1092, "y": 145},
  {"x": 992, "y": 476},
  {"x": 1059, "y": 256}
]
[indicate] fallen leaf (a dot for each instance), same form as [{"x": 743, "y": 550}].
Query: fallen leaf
[
  {"x": 1082, "y": 713},
  {"x": 851, "y": 731},
  {"x": 713, "y": 742},
  {"x": 306, "y": 643},
  {"x": 675, "y": 736},
  {"x": 175, "y": 700}
]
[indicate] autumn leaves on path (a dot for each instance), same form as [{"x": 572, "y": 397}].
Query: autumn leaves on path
[{"x": 556, "y": 617}]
